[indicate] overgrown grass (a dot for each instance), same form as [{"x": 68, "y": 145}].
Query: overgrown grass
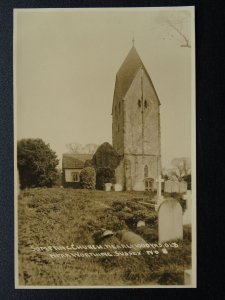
[{"x": 48, "y": 217}]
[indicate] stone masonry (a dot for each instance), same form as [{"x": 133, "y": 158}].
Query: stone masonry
[{"x": 136, "y": 124}]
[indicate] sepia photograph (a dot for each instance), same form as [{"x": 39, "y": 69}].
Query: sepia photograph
[{"x": 105, "y": 154}]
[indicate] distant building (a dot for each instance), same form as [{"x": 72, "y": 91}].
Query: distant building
[
  {"x": 136, "y": 125},
  {"x": 72, "y": 164}
]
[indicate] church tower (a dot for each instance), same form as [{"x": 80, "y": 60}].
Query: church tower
[{"x": 136, "y": 125}]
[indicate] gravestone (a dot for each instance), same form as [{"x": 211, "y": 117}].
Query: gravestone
[
  {"x": 187, "y": 214},
  {"x": 170, "y": 225},
  {"x": 108, "y": 186},
  {"x": 118, "y": 187},
  {"x": 140, "y": 223},
  {"x": 168, "y": 186},
  {"x": 175, "y": 187},
  {"x": 107, "y": 233},
  {"x": 183, "y": 187},
  {"x": 130, "y": 238}
]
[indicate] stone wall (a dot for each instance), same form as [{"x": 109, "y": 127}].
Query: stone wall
[
  {"x": 137, "y": 165},
  {"x": 118, "y": 124},
  {"x": 119, "y": 174},
  {"x": 136, "y": 140}
]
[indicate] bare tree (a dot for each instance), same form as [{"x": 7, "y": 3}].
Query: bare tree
[
  {"x": 75, "y": 148},
  {"x": 90, "y": 148},
  {"x": 181, "y": 34},
  {"x": 182, "y": 167}
]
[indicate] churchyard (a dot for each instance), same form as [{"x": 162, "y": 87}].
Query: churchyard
[{"x": 73, "y": 237}]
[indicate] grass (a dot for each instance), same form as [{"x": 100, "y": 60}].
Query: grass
[{"x": 61, "y": 217}]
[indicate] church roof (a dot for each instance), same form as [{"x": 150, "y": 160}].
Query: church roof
[
  {"x": 128, "y": 71},
  {"x": 74, "y": 161}
]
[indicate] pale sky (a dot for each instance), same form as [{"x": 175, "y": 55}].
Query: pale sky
[{"x": 66, "y": 64}]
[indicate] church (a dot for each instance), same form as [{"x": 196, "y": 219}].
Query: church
[{"x": 136, "y": 125}]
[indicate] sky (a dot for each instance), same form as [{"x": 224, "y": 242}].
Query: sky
[{"x": 65, "y": 64}]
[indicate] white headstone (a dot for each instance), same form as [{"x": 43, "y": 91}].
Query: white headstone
[
  {"x": 188, "y": 277},
  {"x": 140, "y": 223},
  {"x": 172, "y": 186},
  {"x": 183, "y": 186},
  {"x": 168, "y": 186},
  {"x": 107, "y": 233},
  {"x": 187, "y": 213},
  {"x": 108, "y": 186},
  {"x": 170, "y": 225},
  {"x": 118, "y": 187},
  {"x": 130, "y": 238},
  {"x": 175, "y": 187}
]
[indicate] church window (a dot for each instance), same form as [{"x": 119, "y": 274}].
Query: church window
[
  {"x": 139, "y": 102},
  {"x": 146, "y": 104},
  {"x": 146, "y": 171}
]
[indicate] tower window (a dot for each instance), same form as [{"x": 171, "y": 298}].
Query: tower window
[
  {"x": 146, "y": 104},
  {"x": 139, "y": 103}
]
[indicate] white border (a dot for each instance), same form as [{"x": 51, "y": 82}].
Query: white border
[{"x": 193, "y": 147}]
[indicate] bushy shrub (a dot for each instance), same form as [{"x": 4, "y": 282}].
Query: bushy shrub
[
  {"x": 88, "y": 163},
  {"x": 104, "y": 175},
  {"x": 171, "y": 274},
  {"x": 36, "y": 164},
  {"x": 88, "y": 178},
  {"x": 106, "y": 157}
]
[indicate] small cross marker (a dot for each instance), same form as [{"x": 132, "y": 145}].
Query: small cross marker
[{"x": 159, "y": 197}]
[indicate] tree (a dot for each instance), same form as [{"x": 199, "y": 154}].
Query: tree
[
  {"x": 176, "y": 26},
  {"x": 88, "y": 178},
  {"x": 182, "y": 167},
  {"x": 36, "y": 163},
  {"x": 181, "y": 34},
  {"x": 88, "y": 163},
  {"x": 90, "y": 148},
  {"x": 104, "y": 175},
  {"x": 77, "y": 148},
  {"x": 105, "y": 160},
  {"x": 106, "y": 157}
]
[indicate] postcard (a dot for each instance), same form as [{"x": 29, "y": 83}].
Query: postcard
[{"x": 105, "y": 159}]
